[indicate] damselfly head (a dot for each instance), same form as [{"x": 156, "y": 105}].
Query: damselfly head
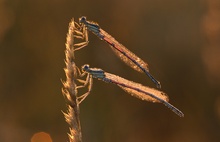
[
  {"x": 85, "y": 67},
  {"x": 82, "y": 19}
]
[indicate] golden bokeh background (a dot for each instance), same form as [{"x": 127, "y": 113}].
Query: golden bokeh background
[{"x": 179, "y": 39}]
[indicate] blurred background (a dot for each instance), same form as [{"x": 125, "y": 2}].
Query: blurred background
[{"x": 180, "y": 40}]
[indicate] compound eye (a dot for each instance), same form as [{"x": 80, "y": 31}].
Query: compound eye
[
  {"x": 82, "y": 19},
  {"x": 85, "y": 67}
]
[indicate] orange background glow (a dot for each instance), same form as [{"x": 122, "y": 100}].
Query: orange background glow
[{"x": 179, "y": 39}]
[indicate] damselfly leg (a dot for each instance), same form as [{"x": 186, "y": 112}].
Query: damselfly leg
[
  {"x": 87, "y": 82},
  {"x": 80, "y": 32}
]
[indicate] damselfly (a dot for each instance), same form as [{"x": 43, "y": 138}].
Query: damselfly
[
  {"x": 121, "y": 51},
  {"x": 135, "y": 89}
]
